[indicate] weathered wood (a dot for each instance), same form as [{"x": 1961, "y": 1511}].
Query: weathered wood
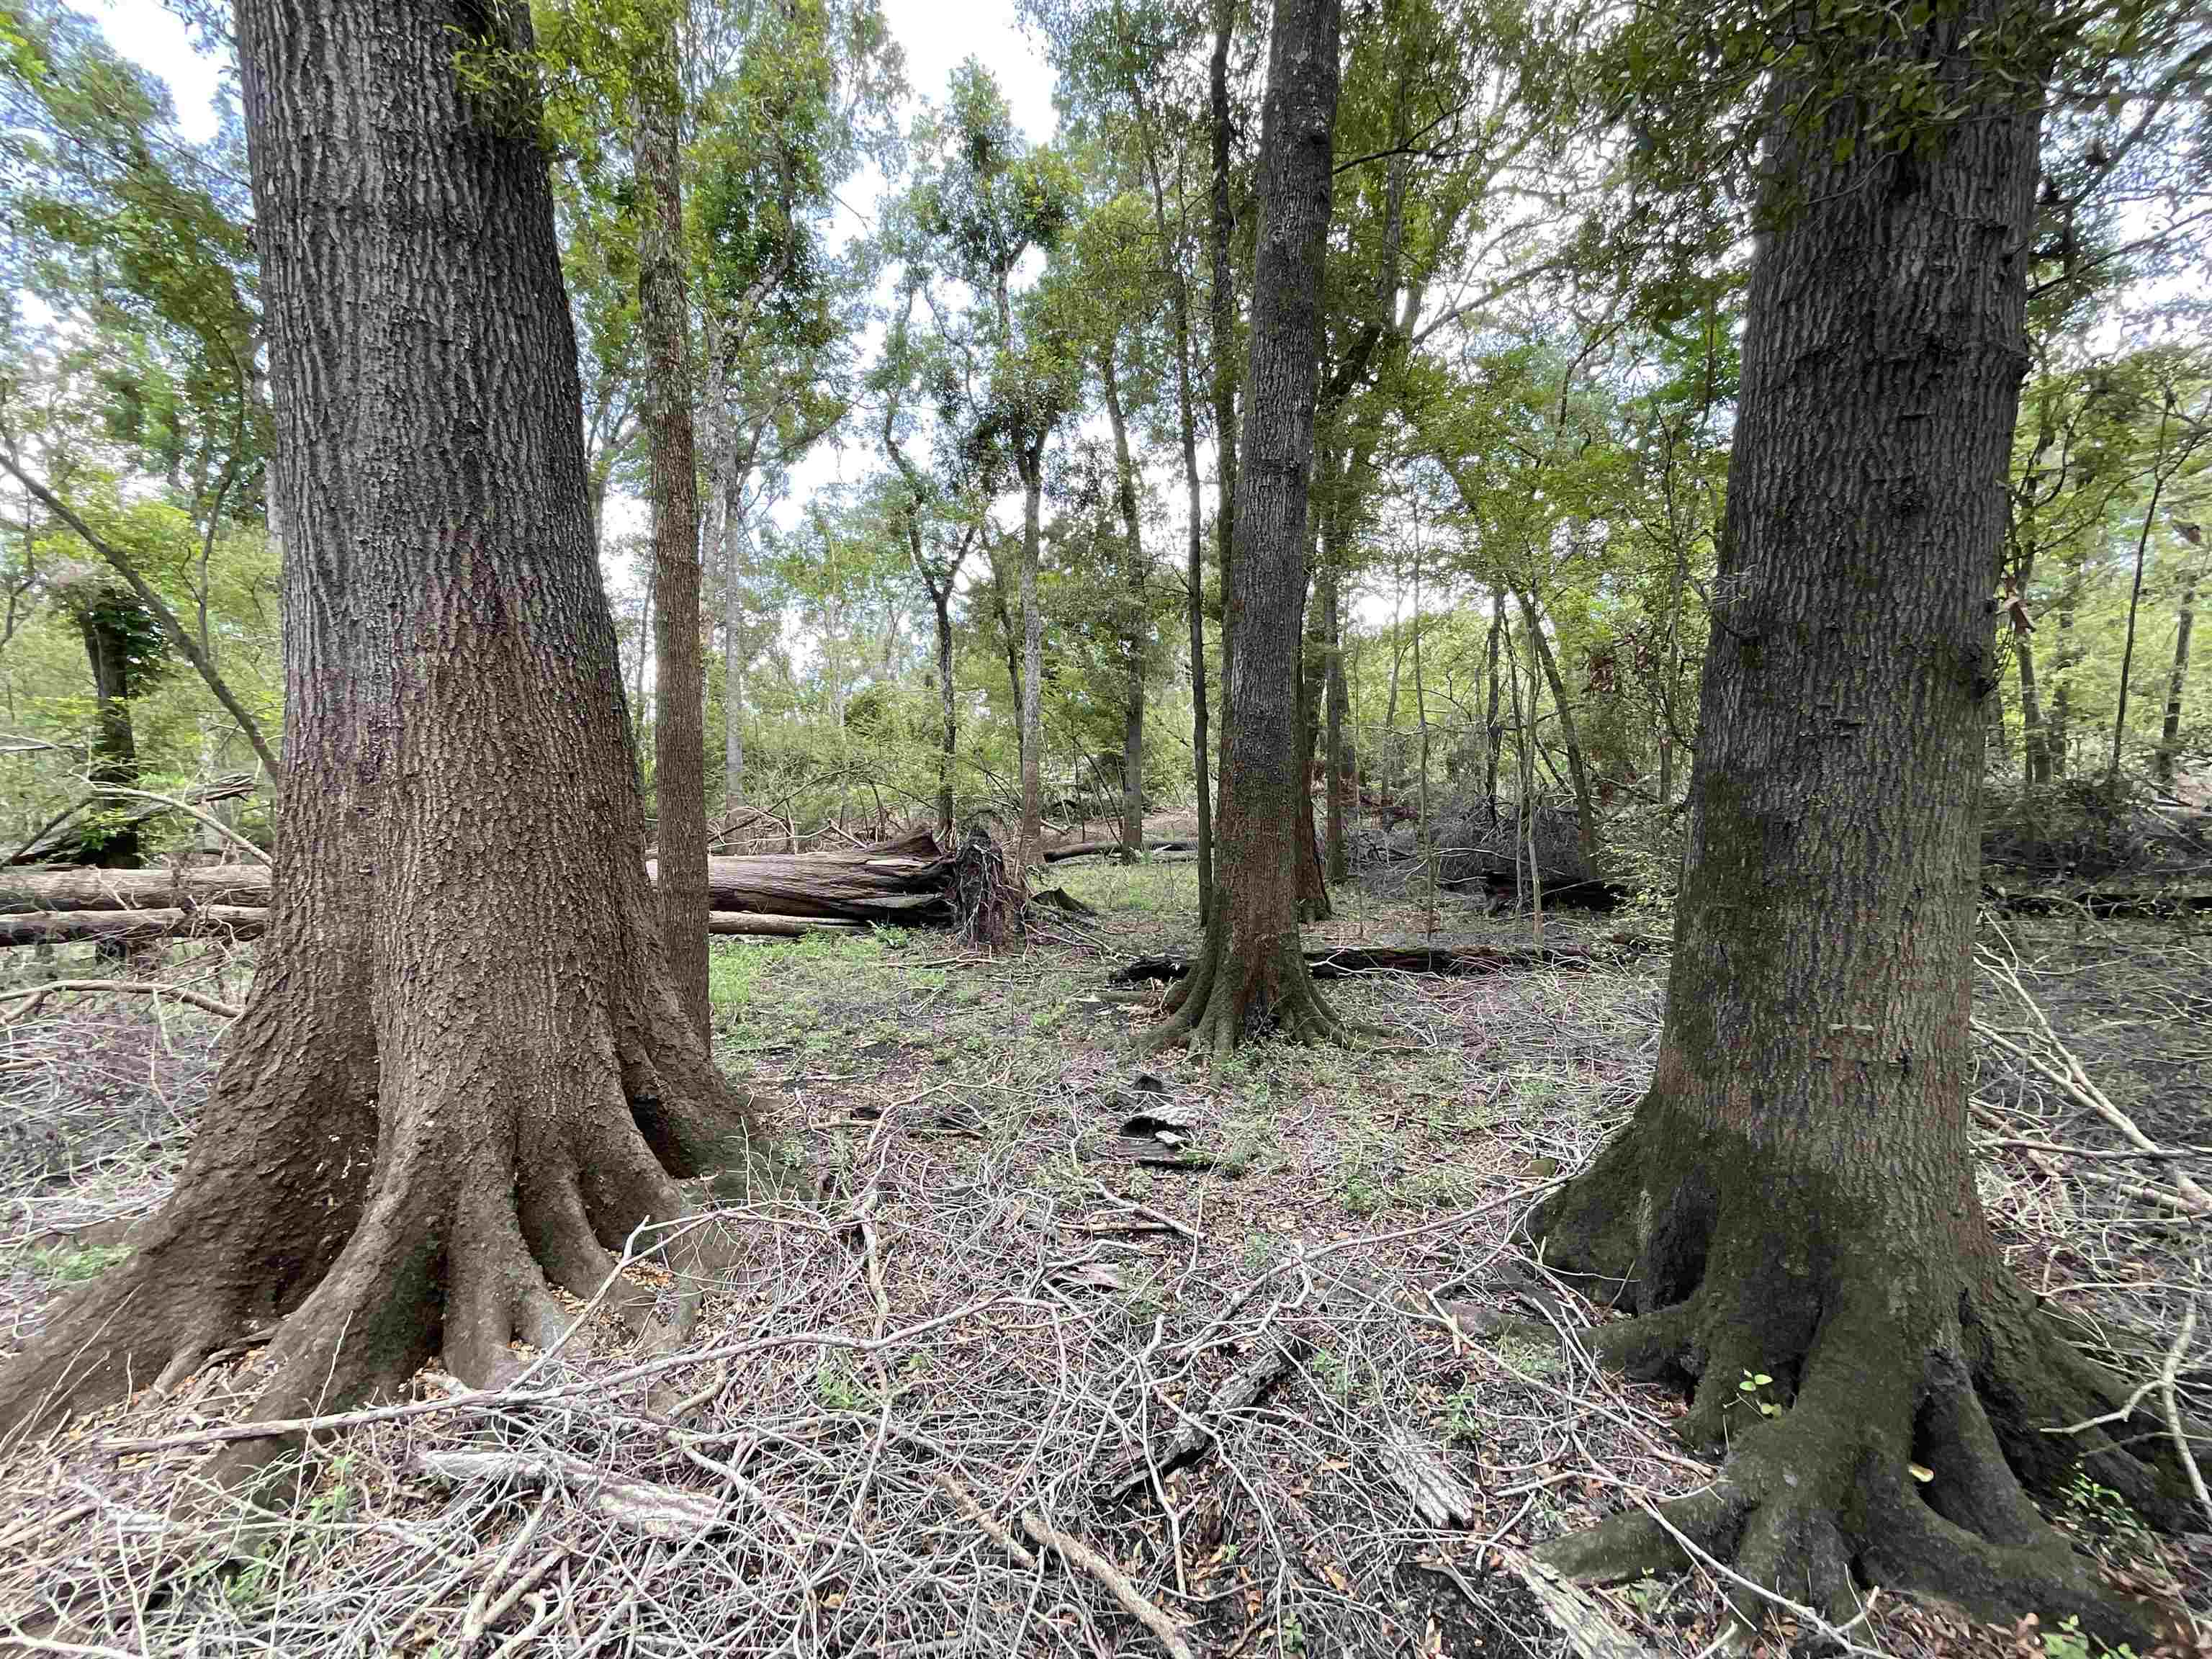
[
  {"x": 1577, "y": 1614},
  {"x": 1419, "y": 1469},
  {"x": 2099, "y": 901},
  {"x": 131, "y": 926},
  {"x": 638, "y": 1506},
  {"x": 1239, "y": 1391},
  {"x": 1111, "y": 847},
  {"x": 751, "y": 924},
  {"x": 25, "y": 892}
]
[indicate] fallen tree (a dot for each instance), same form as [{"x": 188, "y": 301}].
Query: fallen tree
[
  {"x": 909, "y": 882},
  {"x": 1348, "y": 962},
  {"x": 1111, "y": 847}
]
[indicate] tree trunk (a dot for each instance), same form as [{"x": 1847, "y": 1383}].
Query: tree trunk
[
  {"x": 941, "y": 603},
  {"x": 1313, "y": 885},
  {"x": 1221, "y": 318},
  {"x": 735, "y": 540},
  {"x": 1795, "y": 1198},
  {"x": 114, "y": 750},
  {"x": 680, "y": 736},
  {"x": 430, "y": 1113},
  {"x": 1490, "y": 714},
  {"x": 2169, "y": 737},
  {"x": 1585, "y": 806},
  {"x": 2035, "y": 753},
  {"x": 1029, "y": 854},
  {"x": 1340, "y": 863},
  {"x": 1253, "y": 975},
  {"x": 1136, "y": 631}
]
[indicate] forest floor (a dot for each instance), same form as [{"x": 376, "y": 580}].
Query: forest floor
[{"x": 1037, "y": 1254}]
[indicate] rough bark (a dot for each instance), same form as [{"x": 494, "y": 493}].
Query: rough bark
[
  {"x": 1494, "y": 733},
  {"x": 941, "y": 613},
  {"x": 1794, "y": 1197},
  {"x": 1313, "y": 887},
  {"x": 680, "y": 736},
  {"x": 429, "y": 1113},
  {"x": 1252, "y": 976},
  {"x": 1136, "y": 631},
  {"x": 1221, "y": 319}
]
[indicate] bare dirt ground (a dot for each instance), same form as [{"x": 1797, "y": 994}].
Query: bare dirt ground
[{"x": 1038, "y": 1256}]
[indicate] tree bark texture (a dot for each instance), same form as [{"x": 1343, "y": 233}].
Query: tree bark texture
[
  {"x": 1136, "y": 632},
  {"x": 1221, "y": 319},
  {"x": 1252, "y": 975},
  {"x": 1794, "y": 1197},
  {"x": 462, "y": 1077},
  {"x": 680, "y": 736}
]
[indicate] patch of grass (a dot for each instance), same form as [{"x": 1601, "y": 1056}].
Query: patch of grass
[
  {"x": 1531, "y": 1356},
  {"x": 1445, "y": 1187},
  {"x": 68, "y": 1265}
]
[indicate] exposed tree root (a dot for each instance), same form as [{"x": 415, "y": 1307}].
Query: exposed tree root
[
  {"x": 359, "y": 1235},
  {"x": 1906, "y": 1397},
  {"x": 1232, "y": 995}
]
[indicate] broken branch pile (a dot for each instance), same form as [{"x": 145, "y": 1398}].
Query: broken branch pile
[{"x": 910, "y": 882}]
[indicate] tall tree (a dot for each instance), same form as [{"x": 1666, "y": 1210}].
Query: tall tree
[
  {"x": 462, "y": 1078},
  {"x": 1795, "y": 1199},
  {"x": 663, "y": 309},
  {"x": 1253, "y": 973}
]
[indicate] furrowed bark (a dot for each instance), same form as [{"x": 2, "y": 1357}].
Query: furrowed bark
[{"x": 1795, "y": 1199}]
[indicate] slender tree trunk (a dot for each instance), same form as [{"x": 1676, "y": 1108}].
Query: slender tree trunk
[
  {"x": 1585, "y": 806},
  {"x": 679, "y": 739},
  {"x": 431, "y": 1114},
  {"x": 2135, "y": 597},
  {"x": 1489, "y": 712},
  {"x": 2035, "y": 754},
  {"x": 1031, "y": 852},
  {"x": 2065, "y": 657},
  {"x": 1136, "y": 631},
  {"x": 1340, "y": 863},
  {"x": 1794, "y": 1202},
  {"x": 2169, "y": 737},
  {"x": 1253, "y": 974},
  {"x": 736, "y": 544},
  {"x": 1313, "y": 886},
  {"x": 941, "y": 603}
]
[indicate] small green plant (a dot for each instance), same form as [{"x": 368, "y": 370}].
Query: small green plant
[
  {"x": 1293, "y": 1634},
  {"x": 837, "y": 1388},
  {"x": 1258, "y": 1251},
  {"x": 2115, "y": 1533},
  {"x": 2069, "y": 1641},
  {"x": 1464, "y": 1416},
  {"x": 1750, "y": 1392},
  {"x": 1649, "y": 1594},
  {"x": 1332, "y": 1373},
  {"x": 73, "y": 1267}
]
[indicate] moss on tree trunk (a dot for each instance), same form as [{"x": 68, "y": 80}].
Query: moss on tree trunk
[{"x": 1795, "y": 1198}]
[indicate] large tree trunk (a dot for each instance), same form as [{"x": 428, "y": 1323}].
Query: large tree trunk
[
  {"x": 680, "y": 736},
  {"x": 1136, "y": 631},
  {"x": 1795, "y": 1198},
  {"x": 1253, "y": 975},
  {"x": 431, "y": 1114},
  {"x": 1221, "y": 320}
]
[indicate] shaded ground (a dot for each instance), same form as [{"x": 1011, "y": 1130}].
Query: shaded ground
[{"x": 1037, "y": 1256}]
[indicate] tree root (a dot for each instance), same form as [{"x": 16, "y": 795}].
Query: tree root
[
  {"x": 455, "y": 1245},
  {"x": 1867, "y": 1436},
  {"x": 1231, "y": 996}
]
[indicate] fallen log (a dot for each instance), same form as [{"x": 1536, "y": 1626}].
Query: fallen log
[
  {"x": 907, "y": 882},
  {"x": 76, "y": 887},
  {"x": 127, "y": 927},
  {"x": 2103, "y": 902},
  {"x": 1349, "y": 961},
  {"x": 1084, "y": 849}
]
